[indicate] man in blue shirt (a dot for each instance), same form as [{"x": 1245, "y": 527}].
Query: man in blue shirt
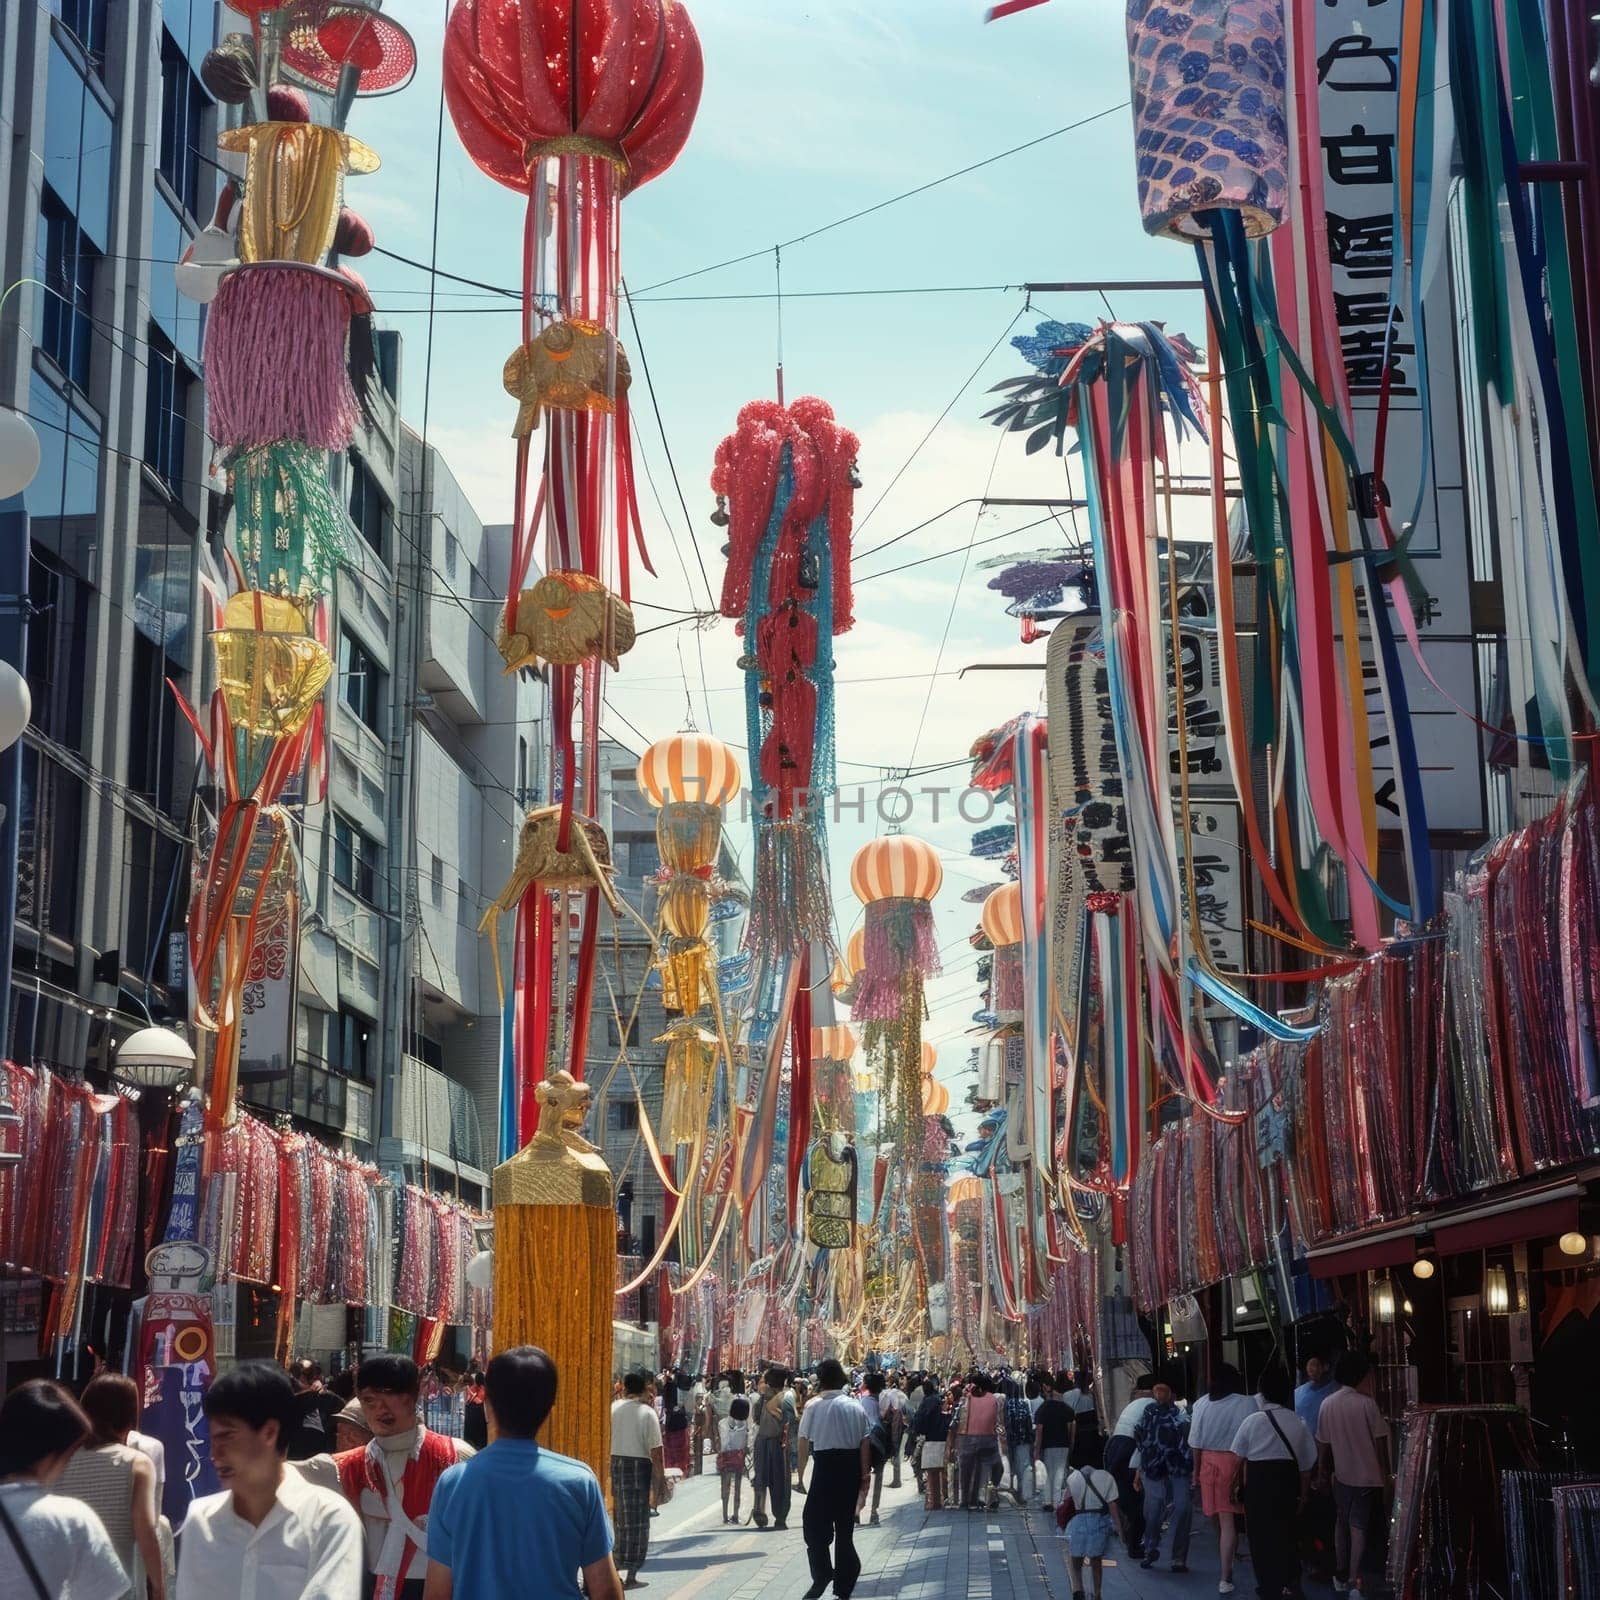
[
  {"x": 516, "y": 1519},
  {"x": 1320, "y": 1383}
]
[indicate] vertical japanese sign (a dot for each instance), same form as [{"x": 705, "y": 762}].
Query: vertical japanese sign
[
  {"x": 1403, "y": 385},
  {"x": 176, "y": 1362}
]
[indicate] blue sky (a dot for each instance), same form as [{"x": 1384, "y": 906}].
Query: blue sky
[{"x": 812, "y": 111}]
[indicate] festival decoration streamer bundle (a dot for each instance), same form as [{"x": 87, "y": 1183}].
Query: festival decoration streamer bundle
[
  {"x": 288, "y": 354},
  {"x": 573, "y": 106}
]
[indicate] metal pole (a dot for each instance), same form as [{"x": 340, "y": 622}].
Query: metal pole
[{"x": 14, "y": 554}]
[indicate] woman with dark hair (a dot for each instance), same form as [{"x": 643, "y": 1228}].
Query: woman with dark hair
[
  {"x": 1276, "y": 1454},
  {"x": 1080, "y": 1401},
  {"x": 674, "y": 1425},
  {"x": 116, "y": 1483},
  {"x": 52, "y": 1547},
  {"x": 1212, "y": 1425}
]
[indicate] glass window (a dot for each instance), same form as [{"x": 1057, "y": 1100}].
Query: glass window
[
  {"x": 641, "y": 854},
  {"x": 436, "y": 880},
  {"x": 152, "y": 726},
  {"x": 66, "y": 260},
  {"x": 87, "y": 21},
  {"x": 452, "y": 552},
  {"x": 181, "y": 320},
  {"x": 614, "y": 1034},
  {"x": 49, "y": 846},
  {"x": 166, "y": 410},
  {"x": 65, "y": 491},
  {"x": 369, "y": 510},
  {"x": 78, "y": 145},
  {"x": 361, "y": 680},
  {"x": 627, "y": 1113},
  {"x": 357, "y": 859},
  {"x": 350, "y": 1041},
  {"x": 58, "y": 633},
  {"x": 387, "y": 345},
  {"x": 183, "y": 106},
  {"x": 522, "y": 770},
  {"x": 151, "y": 902}
]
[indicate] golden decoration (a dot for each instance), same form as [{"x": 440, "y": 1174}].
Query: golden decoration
[
  {"x": 566, "y": 618},
  {"x": 270, "y": 670},
  {"x": 831, "y": 1195},
  {"x": 585, "y": 864},
  {"x": 691, "y": 1069},
  {"x": 573, "y": 365},
  {"x": 293, "y": 187}
]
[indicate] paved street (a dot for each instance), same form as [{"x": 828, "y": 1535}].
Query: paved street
[{"x": 913, "y": 1555}]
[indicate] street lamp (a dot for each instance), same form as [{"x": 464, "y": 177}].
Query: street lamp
[{"x": 155, "y": 1058}]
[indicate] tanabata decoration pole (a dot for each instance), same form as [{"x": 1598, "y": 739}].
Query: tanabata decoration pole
[
  {"x": 288, "y": 357},
  {"x": 785, "y": 481},
  {"x": 572, "y": 106}
]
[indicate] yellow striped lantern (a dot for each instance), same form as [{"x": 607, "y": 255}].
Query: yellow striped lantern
[
  {"x": 896, "y": 878},
  {"x": 689, "y": 778}
]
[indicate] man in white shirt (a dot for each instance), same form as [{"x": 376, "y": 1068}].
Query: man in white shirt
[
  {"x": 1122, "y": 1461},
  {"x": 269, "y": 1535},
  {"x": 833, "y": 1432},
  {"x": 638, "y": 1464}
]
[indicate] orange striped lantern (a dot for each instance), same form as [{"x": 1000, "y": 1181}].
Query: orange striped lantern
[
  {"x": 689, "y": 778},
  {"x": 832, "y": 1047},
  {"x": 833, "y": 1043},
  {"x": 896, "y": 879},
  {"x": 1002, "y": 916},
  {"x": 1002, "y": 925},
  {"x": 935, "y": 1097}
]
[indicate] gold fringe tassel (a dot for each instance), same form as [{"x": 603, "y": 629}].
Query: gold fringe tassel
[{"x": 555, "y": 1286}]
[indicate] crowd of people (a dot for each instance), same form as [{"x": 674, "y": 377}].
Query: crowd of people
[{"x": 328, "y": 1495}]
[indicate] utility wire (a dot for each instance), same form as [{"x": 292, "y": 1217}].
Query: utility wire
[
  {"x": 966, "y": 384},
  {"x": 893, "y": 200}
]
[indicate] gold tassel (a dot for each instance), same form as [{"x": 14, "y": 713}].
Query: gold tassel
[{"x": 555, "y": 1270}]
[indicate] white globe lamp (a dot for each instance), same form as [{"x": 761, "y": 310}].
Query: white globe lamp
[
  {"x": 155, "y": 1058},
  {"x": 19, "y": 452},
  {"x": 16, "y": 705}
]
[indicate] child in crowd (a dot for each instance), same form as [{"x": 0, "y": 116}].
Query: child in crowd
[{"x": 733, "y": 1441}]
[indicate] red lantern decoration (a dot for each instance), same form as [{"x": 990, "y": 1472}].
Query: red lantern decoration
[{"x": 526, "y": 78}]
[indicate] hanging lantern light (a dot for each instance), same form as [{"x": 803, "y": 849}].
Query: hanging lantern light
[
  {"x": 935, "y": 1097},
  {"x": 16, "y": 705},
  {"x": 155, "y": 1058},
  {"x": 1002, "y": 916},
  {"x": 896, "y": 879},
  {"x": 1496, "y": 1291},
  {"x": 688, "y": 778}
]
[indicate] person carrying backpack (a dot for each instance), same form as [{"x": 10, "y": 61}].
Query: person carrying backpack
[{"x": 1019, "y": 1442}]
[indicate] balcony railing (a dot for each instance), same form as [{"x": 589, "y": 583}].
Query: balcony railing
[
  {"x": 438, "y": 1115},
  {"x": 312, "y": 1089}
]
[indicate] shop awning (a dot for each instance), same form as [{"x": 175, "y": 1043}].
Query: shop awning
[
  {"x": 1527, "y": 1216},
  {"x": 1389, "y": 1247}
]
